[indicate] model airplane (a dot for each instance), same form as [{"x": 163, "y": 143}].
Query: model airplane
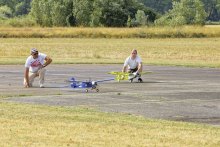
[
  {"x": 119, "y": 76},
  {"x": 93, "y": 85}
]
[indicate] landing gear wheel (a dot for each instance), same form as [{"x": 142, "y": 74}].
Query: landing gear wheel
[
  {"x": 87, "y": 90},
  {"x": 97, "y": 90}
]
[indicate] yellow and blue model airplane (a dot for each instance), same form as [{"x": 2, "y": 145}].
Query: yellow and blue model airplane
[{"x": 120, "y": 76}]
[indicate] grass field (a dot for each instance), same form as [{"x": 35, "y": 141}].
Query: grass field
[
  {"x": 143, "y": 32},
  {"x": 33, "y": 125},
  {"x": 200, "y": 52}
]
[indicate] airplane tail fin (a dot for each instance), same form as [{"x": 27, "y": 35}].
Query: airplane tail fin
[{"x": 72, "y": 79}]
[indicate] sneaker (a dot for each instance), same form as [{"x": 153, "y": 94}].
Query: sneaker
[
  {"x": 41, "y": 86},
  {"x": 140, "y": 80}
]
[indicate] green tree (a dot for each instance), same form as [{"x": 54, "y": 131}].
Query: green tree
[
  {"x": 60, "y": 13},
  {"x": 53, "y": 12},
  {"x": 22, "y": 8},
  {"x": 141, "y": 18},
  {"x": 8, "y": 3},
  {"x": 115, "y": 13},
  {"x": 82, "y": 11},
  {"x": 96, "y": 14},
  {"x": 5, "y": 12},
  {"x": 46, "y": 8},
  {"x": 212, "y": 8},
  {"x": 160, "y": 6},
  {"x": 129, "y": 24},
  {"x": 184, "y": 12},
  {"x": 109, "y": 13},
  {"x": 18, "y": 7},
  {"x": 36, "y": 12}
]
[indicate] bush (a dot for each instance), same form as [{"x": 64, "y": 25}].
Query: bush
[
  {"x": 18, "y": 22},
  {"x": 141, "y": 18},
  {"x": 212, "y": 23},
  {"x": 5, "y": 12}
]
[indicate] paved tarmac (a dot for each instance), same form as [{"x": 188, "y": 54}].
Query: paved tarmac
[{"x": 171, "y": 93}]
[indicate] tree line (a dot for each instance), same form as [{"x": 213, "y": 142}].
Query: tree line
[
  {"x": 108, "y": 13},
  {"x": 13, "y": 8},
  {"x": 112, "y": 13}
]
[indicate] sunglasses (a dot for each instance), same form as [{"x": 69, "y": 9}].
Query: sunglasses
[{"x": 35, "y": 54}]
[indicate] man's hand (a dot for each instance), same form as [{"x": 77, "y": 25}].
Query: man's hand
[
  {"x": 42, "y": 66},
  {"x": 26, "y": 85},
  {"x": 26, "y": 78}
]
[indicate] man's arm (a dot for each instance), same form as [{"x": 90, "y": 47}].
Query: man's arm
[
  {"x": 124, "y": 68},
  {"x": 48, "y": 61},
  {"x": 140, "y": 67},
  {"x": 26, "y": 77}
]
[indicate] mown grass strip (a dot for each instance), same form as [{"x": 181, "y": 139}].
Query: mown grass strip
[
  {"x": 33, "y": 125},
  {"x": 196, "y": 52}
]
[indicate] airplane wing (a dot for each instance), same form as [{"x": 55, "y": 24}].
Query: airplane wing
[
  {"x": 126, "y": 73},
  {"x": 113, "y": 72},
  {"x": 118, "y": 73},
  {"x": 75, "y": 81},
  {"x": 121, "y": 77},
  {"x": 105, "y": 80},
  {"x": 148, "y": 72}
]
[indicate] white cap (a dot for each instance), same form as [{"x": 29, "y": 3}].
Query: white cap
[{"x": 34, "y": 50}]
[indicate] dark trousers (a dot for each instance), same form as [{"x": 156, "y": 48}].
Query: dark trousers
[{"x": 132, "y": 70}]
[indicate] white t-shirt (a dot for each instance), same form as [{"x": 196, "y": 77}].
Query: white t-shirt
[
  {"x": 132, "y": 63},
  {"x": 35, "y": 64}
]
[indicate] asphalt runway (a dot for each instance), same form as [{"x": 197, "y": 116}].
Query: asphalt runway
[{"x": 170, "y": 93}]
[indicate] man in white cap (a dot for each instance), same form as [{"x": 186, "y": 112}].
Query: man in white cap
[
  {"x": 133, "y": 64},
  {"x": 34, "y": 67}
]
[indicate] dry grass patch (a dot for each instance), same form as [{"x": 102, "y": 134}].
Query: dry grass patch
[
  {"x": 32, "y": 125},
  {"x": 203, "y": 52},
  {"x": 144, "y": 32}
]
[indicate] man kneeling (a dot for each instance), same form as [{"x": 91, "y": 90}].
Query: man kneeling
[
  {"x": 133, "y": 64},
  {"x": 34, "y": 67}
]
